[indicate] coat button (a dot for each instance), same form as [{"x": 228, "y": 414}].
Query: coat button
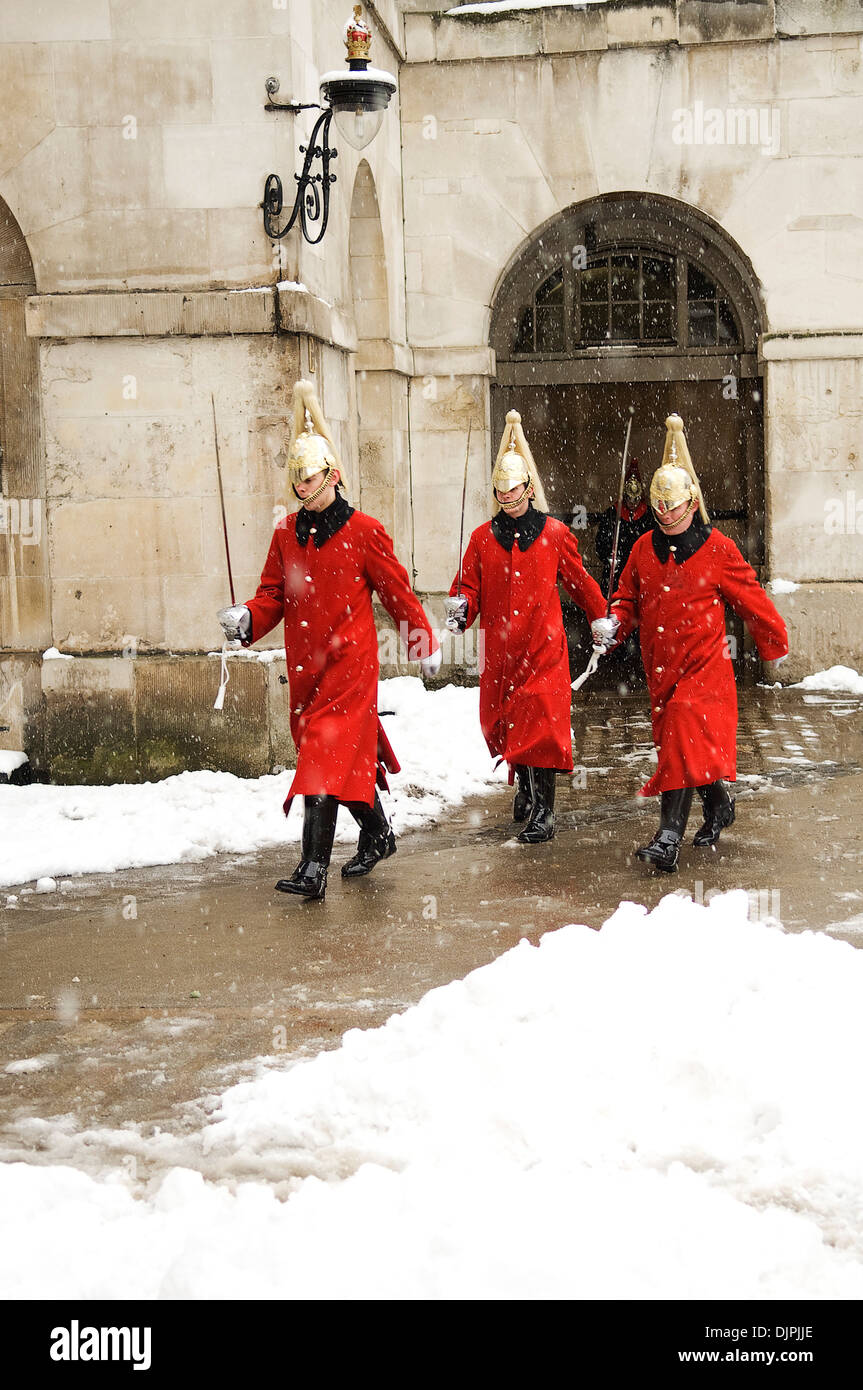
[
  {"x": 299, "y": 668},
  {"x": 515, "y": 611},
  {"x": 518, "y": 574},
  {"x": 660, "y": 629},
  {"x": 308, "y": 579},
  {"x": 659, "y": 670},
  {"x": 667, "y": 588}
]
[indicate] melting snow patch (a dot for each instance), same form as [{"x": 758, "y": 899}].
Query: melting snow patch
[{"x": 836, "y": 678}]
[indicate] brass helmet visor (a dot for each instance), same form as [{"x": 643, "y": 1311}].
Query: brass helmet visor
[
  {"x": 511, "y": 470},
  {"x": 633, "y": 491},
  {"x": 670, "y": 486},
  {"x": 310, "y": 454}
]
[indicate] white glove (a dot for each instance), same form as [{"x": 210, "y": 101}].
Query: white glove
[
  {"x": 456, "y": 613},
  {"x": 603, "y": 631},
  {"x": 236, "y": 623},
  {"x": 430, "y": 665}
]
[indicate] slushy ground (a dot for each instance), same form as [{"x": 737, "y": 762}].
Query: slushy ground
[
  {"x": 651, "y": 1106},
  {"x": 138, "y": 1017}
]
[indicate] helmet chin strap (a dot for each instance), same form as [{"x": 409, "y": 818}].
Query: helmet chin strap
[
  {"x": 313, "y": 496},
  {"x": 527, "y": 491},
  {"x": 667, "y": 525}
]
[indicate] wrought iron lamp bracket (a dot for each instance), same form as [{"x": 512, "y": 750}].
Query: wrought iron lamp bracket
[{"x": 312, "y": 201}]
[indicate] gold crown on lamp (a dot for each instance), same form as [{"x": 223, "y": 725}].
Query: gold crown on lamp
[{"x": 358, "y": 35}]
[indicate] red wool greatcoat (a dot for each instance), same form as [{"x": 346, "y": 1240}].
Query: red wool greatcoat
[
  {"x": 524, "y": 688},
  {"x": 325, "y": 599},
  {"x": 680, "y": 613}
]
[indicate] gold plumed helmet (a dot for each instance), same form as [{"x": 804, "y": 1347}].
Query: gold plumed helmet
[
  {"x": 675, "y": 481},
  {"x": 515, "y": 465},
  {"x": 312, "y": 448}
]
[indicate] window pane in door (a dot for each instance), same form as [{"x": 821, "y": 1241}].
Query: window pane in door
[
  {"x": 702, "y": 323},
  {"x": 594, "y": 284}
]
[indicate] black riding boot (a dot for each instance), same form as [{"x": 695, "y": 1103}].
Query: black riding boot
[
  {"x": 664, "y": 848},
  {"x": 718, "y": 804},
  {"x": 309, "y": 878},
  {"x": 376, "y": 841},
  {"x": 523, "y": 797},
  {"x": 540, "y": 826}
]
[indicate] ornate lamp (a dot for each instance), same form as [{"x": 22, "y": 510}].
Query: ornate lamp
[{"x": 358, "y": 99}]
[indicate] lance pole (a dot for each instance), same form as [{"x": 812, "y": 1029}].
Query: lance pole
[
  {"x": 613, "y": 572},
  {"x": 463, "y": 498},
  {"x": 222, "y": 500},
  {"x": 597, "y": 651}
]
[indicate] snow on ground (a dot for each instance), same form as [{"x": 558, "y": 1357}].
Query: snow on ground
[
  {"x": 668, "y": 1108},
  {"x": 76, "y": 830},
  {"x": 836, "y": 678}
]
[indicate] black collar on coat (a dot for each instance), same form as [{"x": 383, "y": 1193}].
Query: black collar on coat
[
  {"x": 506, "y": 528},
  {"x": 684, "y": 546},
  {"x": 323, "y": 524}
]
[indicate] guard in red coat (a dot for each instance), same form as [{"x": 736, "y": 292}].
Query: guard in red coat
[
  {"x": 675, "y": 586},
  {"x": 631, "y": 520},
  {"x": 509, "y": 580},
  {"x": 324, "y": 563}
]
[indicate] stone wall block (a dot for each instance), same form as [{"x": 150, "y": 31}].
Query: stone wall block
[
  {"x": 89, "y": 721},
  {"x": 109, "y": 614},
  {"x": 144, "y": 538},
  {"x": 282, "y": 751},
  {"x": 178, "y": 729}
]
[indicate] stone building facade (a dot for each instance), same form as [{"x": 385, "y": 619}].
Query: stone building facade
[{"x": 568, "y": 208}]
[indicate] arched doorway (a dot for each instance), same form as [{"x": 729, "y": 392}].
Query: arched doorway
[
  {"x": 25, "y": 610},
  {"x": 634, "y": 299},
  {"x": 381, "y": 390}
]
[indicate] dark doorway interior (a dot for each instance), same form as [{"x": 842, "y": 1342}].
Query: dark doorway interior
[{"x": 577, "y": 432}]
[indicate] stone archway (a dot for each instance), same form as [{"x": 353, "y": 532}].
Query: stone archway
[
  {"x": 634, "y": 299},
  {"x": 25, "y": 606},
  {"x": 381, "y": 380}
]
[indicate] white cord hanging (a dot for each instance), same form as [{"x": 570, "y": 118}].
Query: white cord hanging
[
  {"x": 591, "y": 667},
  {"x": 220, "y": 698}
]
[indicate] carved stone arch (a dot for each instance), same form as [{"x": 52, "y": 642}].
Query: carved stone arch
[
  {"x": 381, "y": 389},
  {"x": 616, "y": 222},
  {"x": 25, "y": 603}
]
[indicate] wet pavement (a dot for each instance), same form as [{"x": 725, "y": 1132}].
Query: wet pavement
[{"x": 129, "y": 1001}]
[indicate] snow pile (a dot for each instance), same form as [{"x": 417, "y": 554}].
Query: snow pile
[
  {"x": 51, "y": 831},
  {"x": 11, "y": 760},
  {"x": 783, "y": 586},
  {"x": 635, "y": 1113},
  {"x": 836, "y": 678}
]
